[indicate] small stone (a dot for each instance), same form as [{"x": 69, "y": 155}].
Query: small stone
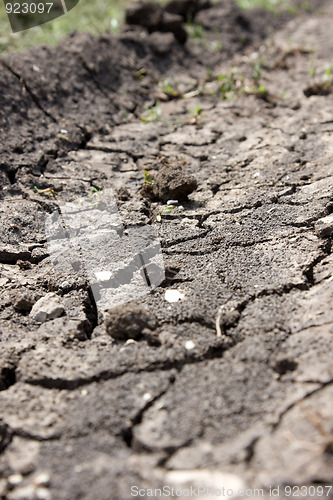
[
  {"x": 42, "y": 479},
  {"x": 14, "y": 480},
  {"x": 48, "y": 307},
  {"x": 43, "y": 494},
  {"x": 173, "y": 296},
  {"x": 303, "y": 134},
  {"x": 324, "y": 226},
  {"x": 24, "y": 302},
  {"x": 24, "y": 264},
  {"x": 128, "y": 321},
  {"x": 189, "y": 345},
  {"x": 123, "y": 194},
  {"x": 38, "y": 254}
]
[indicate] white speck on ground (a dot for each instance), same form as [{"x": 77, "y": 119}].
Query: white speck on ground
[
  {"x": 189, "y": 345},
  {"x": 103, "y": 275},
  {"x": 173, "y": 296}
]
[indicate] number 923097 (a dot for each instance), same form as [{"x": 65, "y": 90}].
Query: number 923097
[
  {"x": 29, "y": 8},
  {"x": 307, "y": 491}
]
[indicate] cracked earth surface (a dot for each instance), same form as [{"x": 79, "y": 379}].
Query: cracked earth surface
[{"x": 250, "y": 407}]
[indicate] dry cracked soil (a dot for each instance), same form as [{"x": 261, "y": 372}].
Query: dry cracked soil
[{"x": 222, "y": 374}]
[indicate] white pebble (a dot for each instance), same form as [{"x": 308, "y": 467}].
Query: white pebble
[
  {"x": 189, "y": 345},
  {"x": 173, "y": 296},
  {"x": 15, "y": 479},
  {"x": 103, "y": 275},
  {"x": 43, "y": 494},
  {"x": 42, "y": 479}
]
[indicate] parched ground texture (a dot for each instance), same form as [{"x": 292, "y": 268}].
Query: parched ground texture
[{"x": 84, "y": 416}]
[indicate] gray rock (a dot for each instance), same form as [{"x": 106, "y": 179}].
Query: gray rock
[
  {"x": 48, "y": 307},
  {"x": 324, "y": 226},
  {"x": 25, "y": 301}
]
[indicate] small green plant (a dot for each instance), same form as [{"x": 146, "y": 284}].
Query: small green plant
[
  {"x": 218, "y": 46},
  {"x": 197, "y": 113},
  {"x": 328, "y": 72},
  {"x": 230, "y": 85},
  {"x": 148, "y": 178},
  {"x": 209, "y": 73},
  {"x": 48, "y": 191},
  {"x": 165, "y": 211},
  {"x": 312, "y": 66},
  {"x": 257, "y": 73},
  {"x": 141, "y": 73},
  {"x": 170, "y": 88},
  {"x": 152, "y": 114},
  {"x": 328, "y": 78},
  {"x": 96, "y": 191},
  {"x": 195, "y": 30},
  {"x": 256, "y": 87},
  {"x": 96, "y": 196},
  {"x": 306, "y": 5}
]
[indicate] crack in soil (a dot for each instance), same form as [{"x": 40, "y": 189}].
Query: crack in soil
[
  {"x": 213, "y": 351},
  {"x": 128, "y": 432},
  {"x": 295, "y": 403}
]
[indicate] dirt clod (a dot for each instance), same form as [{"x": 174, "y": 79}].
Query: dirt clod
[
  {"x": 128, "y": 321},
  {"x": 23, "y": 303},
  {"x": 170, "y": 183},
  {"x": 152, "y": 17}
]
